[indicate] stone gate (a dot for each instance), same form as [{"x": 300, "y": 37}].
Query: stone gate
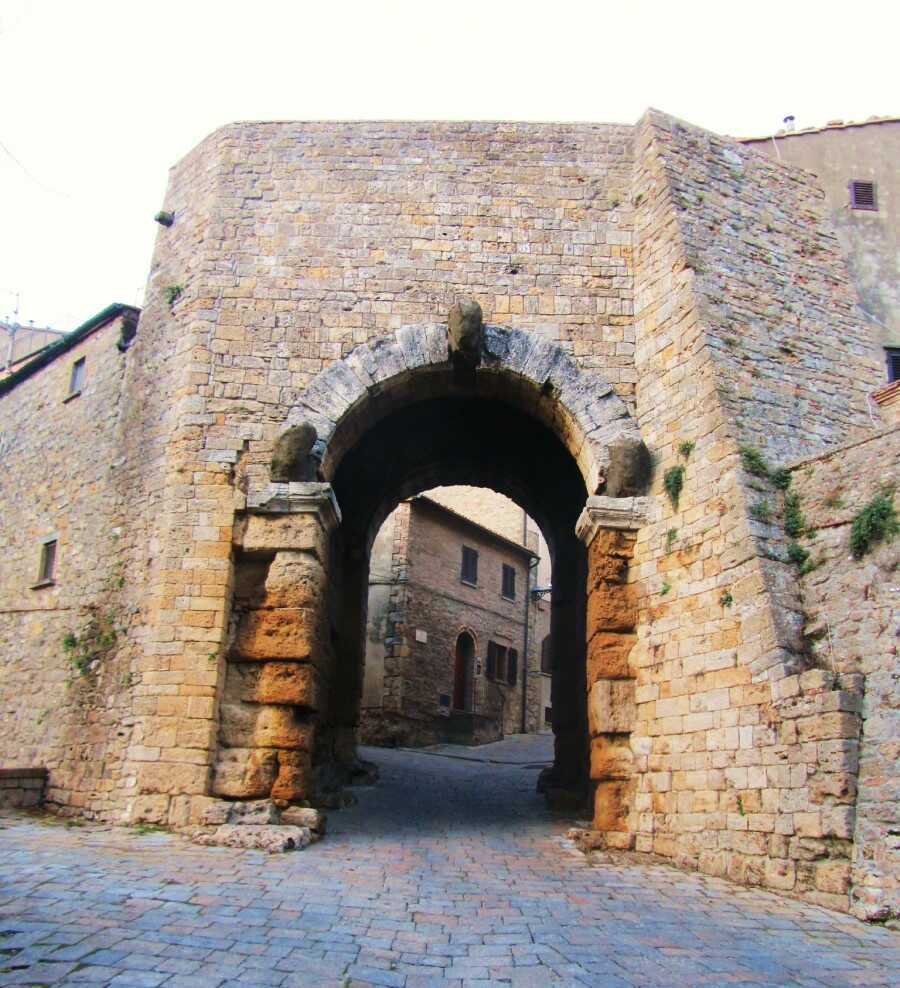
[{"x": 669, "y": 329}]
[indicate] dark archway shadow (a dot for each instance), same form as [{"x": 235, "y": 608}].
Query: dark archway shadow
[{"x": 480, "y": 442}]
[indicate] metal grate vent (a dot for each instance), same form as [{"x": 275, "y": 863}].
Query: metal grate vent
[{"x": 862, "y": 196}]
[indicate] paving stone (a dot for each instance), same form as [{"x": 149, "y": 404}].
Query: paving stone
[{"x": 466, "y": 844}]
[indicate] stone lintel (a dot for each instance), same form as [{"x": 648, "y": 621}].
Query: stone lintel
[
  {"x": 294, "y": 498},
  {"x": 610, "y": 512}
]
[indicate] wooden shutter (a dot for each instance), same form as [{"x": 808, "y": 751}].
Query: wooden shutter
[
  {"x": 862, "y": 196},
  {"x": 469, "y": 571},
  {"x": 508, "y": 588},
  {"x": 490, "y": 663},
  {"x": 512, "y": 667}
]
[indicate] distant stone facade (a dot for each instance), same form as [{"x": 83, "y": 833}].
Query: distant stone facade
[
  {"x": 433, "y": 635},
  {"x": 664, "y": 311},
  {"x": 868, "y": 230}
]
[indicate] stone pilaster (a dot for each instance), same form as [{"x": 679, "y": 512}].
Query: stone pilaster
[
  {"x": 607, "y": 526},
  {"x": 280, "y": 657}
]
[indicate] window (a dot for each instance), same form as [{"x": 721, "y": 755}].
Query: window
[
  {"x": 546, "y": 656},
  {"x": 76, "y": 381},
  {"x": 862, "y": 196},
  {"x": 469, "y": 572},
  {"x": 508, "y": 587},
  {"x": 48, "y": 562},
  {"x": 548, "y": 716},
  {"x": 893, "y": 363},
  {"x": 502, "y": 664}
]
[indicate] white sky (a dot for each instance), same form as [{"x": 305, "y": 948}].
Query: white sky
[{"x": 99, "y": 99}]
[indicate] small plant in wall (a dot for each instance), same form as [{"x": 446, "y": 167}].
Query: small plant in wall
[
  {"x": 673, "y": 482},
  {"x": 671, "y": 536},
  {"x": 94, "y": 642},
  {"x": 665, "y": 588},
  {"x": 761, "y": 511},
  {"x": 781, "y": 478},
  {"x": 173, "y": 293},
  {"x": 753, "y": 462},
  {"x": 686, "y": 448},
  {"x": 876, "y": 522},
  {"x": 794, "y": 522},
  {"x": 726, "y": 600},
  {"x": 164, "y": 218}
]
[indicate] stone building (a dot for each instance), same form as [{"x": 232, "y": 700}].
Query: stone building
[
  {"x": 453, "y": 637},
  {"x": 19, "y": 344},
  {"x": 856, "y": 166},
  {"x": 672, "y": 378}
]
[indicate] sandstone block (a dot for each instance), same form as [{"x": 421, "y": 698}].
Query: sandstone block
[
  {"x": 280, "y": 633},
  {"x": 611, "y": 608},
  {"x": 295, "y": 776},
  {"x": 256, "y": 725},
  {"x": 149, "y": 809},
  {"x": 292, "y": 683},
  {"x": 612, "y": 804},
  {"x": 274, "y": 839},
  {"x": 173, "y": 778},
  {"x": 611, "y": 757},
  {"x": 294, "y": 579},
  {"x": 607, "y": 656},
  {"x": 291, "y": 531},
  {"x": 304, "y": 816},
  {"x": 828, "y": 726},
  {"x": 832, "y": 876},
  {"x": 244, "y": 773},
  {"x": 611, "y": 708}
]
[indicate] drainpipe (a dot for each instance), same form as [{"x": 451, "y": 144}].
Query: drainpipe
[{"x": 531, "y": 565}]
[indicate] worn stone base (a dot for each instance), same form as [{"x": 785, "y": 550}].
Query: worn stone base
[
  {"x": 275, "y": 839},
  {"x": 21, "y": 787}
]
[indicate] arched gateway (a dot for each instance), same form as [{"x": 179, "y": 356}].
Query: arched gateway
[{"x": 476, "y": 405}]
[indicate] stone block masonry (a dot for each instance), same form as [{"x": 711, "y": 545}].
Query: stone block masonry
[
  {"x": 651, "y": 289},
  {"x": 22, "y": 787}
]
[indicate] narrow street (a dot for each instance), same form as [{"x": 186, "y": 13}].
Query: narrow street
[{"x": 449, "y": 872}]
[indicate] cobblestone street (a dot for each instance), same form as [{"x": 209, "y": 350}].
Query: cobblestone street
[{"x": 450, "y": 872}]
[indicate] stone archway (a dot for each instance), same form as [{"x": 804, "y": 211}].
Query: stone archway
[{"x": 513, "y": 412}]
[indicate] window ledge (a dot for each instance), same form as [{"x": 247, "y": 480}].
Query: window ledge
[
  {"x": 41, "y": 584},
  {"x": 504, "y": 597},
  {"x": 71, "y": 395},
  {"x": 468, "y": 583}
]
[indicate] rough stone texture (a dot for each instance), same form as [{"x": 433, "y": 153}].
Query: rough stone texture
[
  {"x": 452, "y": 872},
  {"x": 863, "y": 152},
  {"x": 57, "y": 477},
  {"x": 852, "y": 619},
  {"x": 22, "y": 787},
  {"x": 655, "y": 283},
  {"x": 274, "y": 838}
]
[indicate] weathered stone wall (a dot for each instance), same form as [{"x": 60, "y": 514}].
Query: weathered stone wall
[
  {"x": 731, "y": 258},
  {"x": 870, "y": 240},
  {"x": 60, "y": 456},
  {"x": 294, "y": 242},
  {"x": 852, "y": 622}
]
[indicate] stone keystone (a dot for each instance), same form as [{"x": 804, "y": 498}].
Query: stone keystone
[{"x": 465, "y": 330}]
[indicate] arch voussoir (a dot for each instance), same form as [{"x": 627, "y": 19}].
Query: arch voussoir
[{"x": 537, "y": 374}]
